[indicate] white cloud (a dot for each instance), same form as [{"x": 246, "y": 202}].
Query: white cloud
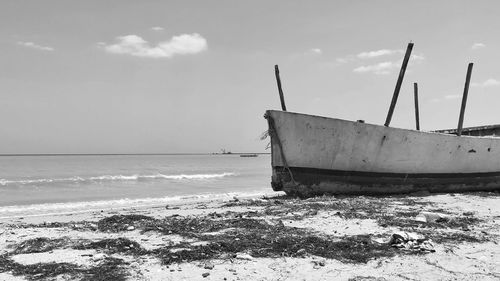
[
  {"x": 379, "y": 68},
  {"x": 378, "y": 53},
  {"x": 444, "y": 98},
  {"x": 35, "y": 46},
  {"x": 476, "y": 46},
  {"x": 178, "y": 45},
  {"x": 488, "y": 83},
  {"x": 374, "y": 54},
  {"x": 416, "y": 58},
  {"x": 346, "y": 59},
  {"x": 157, "y": 28},
  {"x": 315, "y": 51},
  {"x": 386, "y": 67}
]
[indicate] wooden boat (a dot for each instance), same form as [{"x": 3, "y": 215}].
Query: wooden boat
[{"x": 314, "y": 155}]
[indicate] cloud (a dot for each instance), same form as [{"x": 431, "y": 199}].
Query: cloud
[
  {"x": 157, "y": 28},
  {"x": 379, "y": 68},
  {"x": 35, "y": 46},
  {"x": 384, "y": 68},
  {"x": 346, "y": 59},
  {"x": 446, "y": 97},
  {"x": 315, "y": 51},
  {"x": 476, "y": 46},
  {"x": 488, "y": 83},
  {"x": 416, "y": 58},
  {"x": 311, "y": 52},
  {"x": 372, "y": 55},
  {"x": 178, "y": 45},
  {"x": 378, "y": 53}
]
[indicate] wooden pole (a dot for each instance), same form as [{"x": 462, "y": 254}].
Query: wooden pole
[
  {"x": 415, "y": 91},
  {"x": 464, "y": 99},
  {"x": 278, "y": 80},
  {"x": 398, "y": 84}
]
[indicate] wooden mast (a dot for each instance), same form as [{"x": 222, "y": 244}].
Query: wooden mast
[
  {"x": 464, "y": 99},
  {"x": 278, "y": 80},
  {"x": 417, "y": 117},
  {"x": 398, "y": 84}
]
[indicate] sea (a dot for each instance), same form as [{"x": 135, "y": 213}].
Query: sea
[{"x": 51, "y": 184}]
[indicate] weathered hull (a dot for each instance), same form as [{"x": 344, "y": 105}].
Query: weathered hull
[{"x": 314, "y": 155}]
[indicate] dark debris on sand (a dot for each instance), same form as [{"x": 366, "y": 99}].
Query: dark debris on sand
[
  {"x": 108, "y": 269},
  {"x": 38, "y": 245},
  {"x": 114, "y": 245},
  {"x": 37, "y": 271},
  {"x": 380, "y": 209},
  {"x": 384, "y": 210},
  {"x": 259, "y": 232},
  {"x": 119, "y": 223},
  {"x": 261, "y": 239}
]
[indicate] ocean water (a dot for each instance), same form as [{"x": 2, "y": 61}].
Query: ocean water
[{"x": 45, "y": 184}]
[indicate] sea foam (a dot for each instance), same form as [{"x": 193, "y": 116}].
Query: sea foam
[{"x": 106, "y": 178}]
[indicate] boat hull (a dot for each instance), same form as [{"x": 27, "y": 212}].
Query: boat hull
[{"x": 314, "y": 155}]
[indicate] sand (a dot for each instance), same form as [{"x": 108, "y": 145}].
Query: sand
[{"x": 262, "y": 238}]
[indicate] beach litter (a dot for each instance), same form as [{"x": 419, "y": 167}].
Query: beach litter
[
  {"x": 432, "y": 217},
  {"x": 409, "y": 241}
]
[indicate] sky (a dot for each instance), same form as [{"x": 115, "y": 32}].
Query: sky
[{"x": 197, "y": 76}]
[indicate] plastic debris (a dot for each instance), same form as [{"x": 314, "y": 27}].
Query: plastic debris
[
  {"x": 409, "y": 241},
  {"x": 432, "y": 217},
  {"x": 244, "y": 257}
]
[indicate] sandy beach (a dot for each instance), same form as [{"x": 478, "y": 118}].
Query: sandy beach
[{"x": 273, "y": 237}]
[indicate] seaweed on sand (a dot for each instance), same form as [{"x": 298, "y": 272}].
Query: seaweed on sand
[
  {"x": 452, "y": 236},
  {"x": 193, "y": 226},
  {"x": 356, "y": 248},
  {"x": 406, "y": 220},
  {"x": 108, "y": 269},
  {"x": 119, "y": 223},
  {"x": 186, "y": 226},
  {"x": 114, "y": 245},
  {"x": 347, "y": 207},
  {"x": 36, "y": 271},
  {"x": 38, "y": 245},
  {"x": 262, "y": 239}
]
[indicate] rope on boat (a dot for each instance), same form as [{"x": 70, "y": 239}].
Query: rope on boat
[{"x": 274, "y": 134}]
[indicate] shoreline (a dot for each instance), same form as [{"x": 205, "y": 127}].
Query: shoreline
[
  {"x": 438, "y": 236},
  {"x": 68, "y": 208}
]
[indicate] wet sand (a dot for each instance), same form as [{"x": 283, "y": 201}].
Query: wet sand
[{"x": 263, "y": 238}]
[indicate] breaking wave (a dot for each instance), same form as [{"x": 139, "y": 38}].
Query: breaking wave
[{"x": 107, "y": 178}]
